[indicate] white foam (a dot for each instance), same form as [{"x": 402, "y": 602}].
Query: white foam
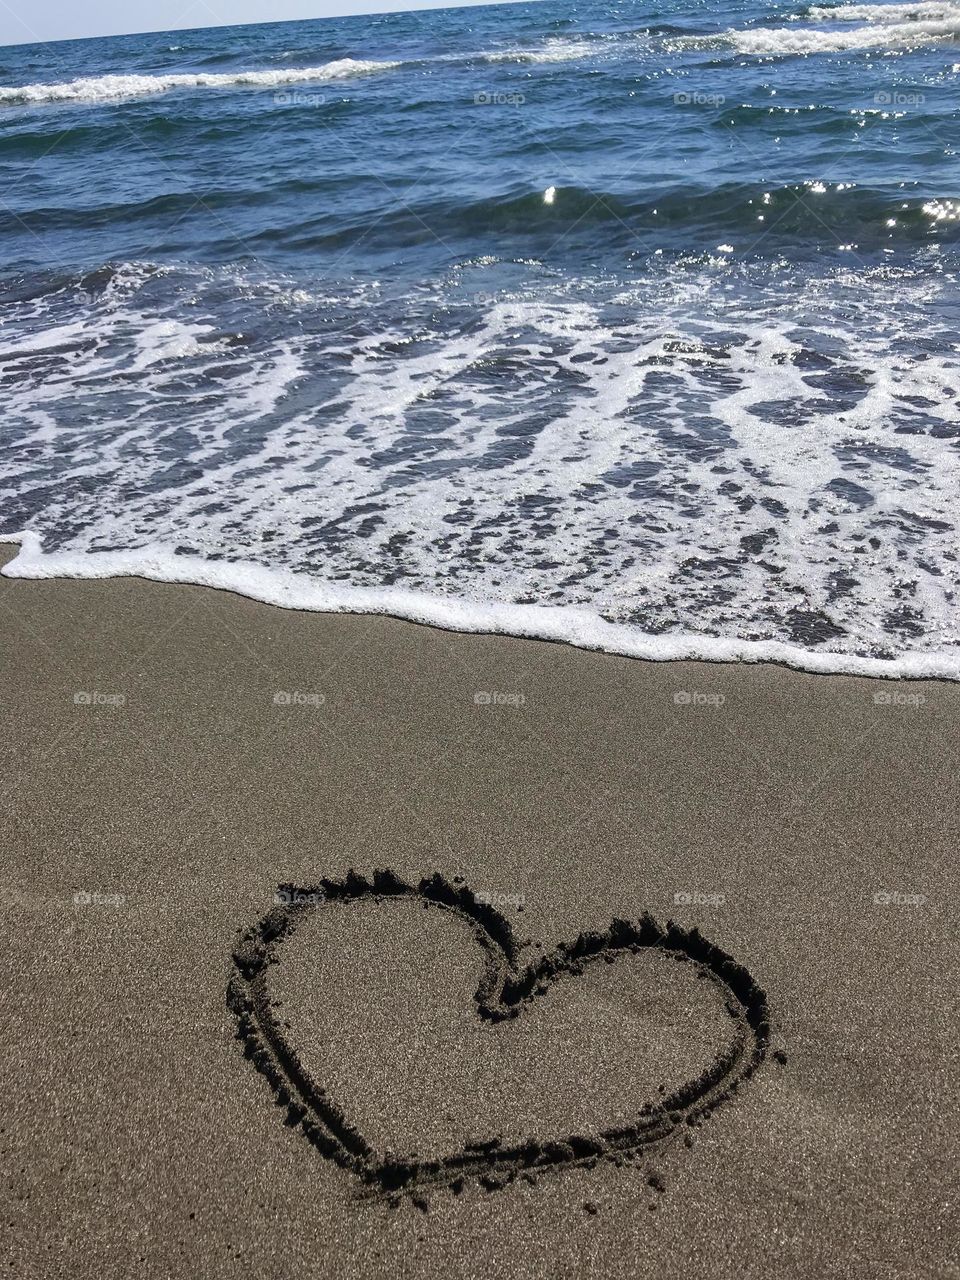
[
  {"x": 110, "y": 87},
  {"x": 171, "y": 340},
  {"x": 556, "y": 50},
  {"x": 580, "y": 627},
  {"x": 877, "y": 34},
  {"x": 888, "y": 13},
  {"x": 553, "y": 469}
]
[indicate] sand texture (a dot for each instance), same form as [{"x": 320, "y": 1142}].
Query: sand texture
[{"x": 223, "y": 1055}]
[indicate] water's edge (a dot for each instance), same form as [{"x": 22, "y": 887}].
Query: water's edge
[{"x": 581, "y": 628}]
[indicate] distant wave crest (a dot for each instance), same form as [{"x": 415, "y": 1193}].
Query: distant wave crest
[
  {"x": 889, "y": 13},
  {"x": 887, "y": 27},
  {"x": 551, "y": 51},
  {"x": 111, "y": 87}
]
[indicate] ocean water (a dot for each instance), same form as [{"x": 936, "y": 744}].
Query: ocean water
[{"x": 628, "y": 324}]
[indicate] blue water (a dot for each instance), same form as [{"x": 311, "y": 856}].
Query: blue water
[{"x": 644, "y": 311}]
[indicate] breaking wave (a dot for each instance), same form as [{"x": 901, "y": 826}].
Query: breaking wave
[{"x": 111, "y": 87}]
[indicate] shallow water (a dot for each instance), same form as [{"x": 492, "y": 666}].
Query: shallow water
[{"x": 629, "y": 325}]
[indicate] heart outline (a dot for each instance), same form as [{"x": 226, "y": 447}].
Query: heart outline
[{"x": 503, "y": 991}]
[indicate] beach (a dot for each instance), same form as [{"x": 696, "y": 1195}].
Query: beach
[
  {"x": 480, "y": 678},
  {"x": 174, "y": 755}
]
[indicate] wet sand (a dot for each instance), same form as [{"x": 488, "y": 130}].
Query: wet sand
[{"x": 174, "y": 754}]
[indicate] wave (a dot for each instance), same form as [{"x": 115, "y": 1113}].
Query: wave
[
  {"x": 889, "y": 13},
  {"x": 752, "y": 217},
  {"x": 105, "y": 282},
  {"x": 552, "y": 51},
  {"x": 112, "y": 87},
  {"x": 775, "y": 464},
  {"x": 566, "y": 624},
  {"x": 94, "y": 133},
  {"x": 877, "y": 34}
]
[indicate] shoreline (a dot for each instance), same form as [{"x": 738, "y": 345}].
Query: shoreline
[
  {"x": 221, "y": 750},
  {"x": 578, "y": 627}
]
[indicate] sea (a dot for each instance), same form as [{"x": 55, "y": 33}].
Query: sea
[{"x": 631, "y": 325}]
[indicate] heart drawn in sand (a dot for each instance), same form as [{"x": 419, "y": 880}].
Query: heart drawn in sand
[{"x": 505, "y": 990}]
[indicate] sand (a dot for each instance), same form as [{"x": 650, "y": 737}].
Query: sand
[{"x": 806, "y": 829}]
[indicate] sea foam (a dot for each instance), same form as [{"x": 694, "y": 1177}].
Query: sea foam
[
  {"x": 752, "y": 485},
  {"x": 580, "y": 627},
  {"x": 888, "y": 27},
  {"x": 110, "y": 87},
  {"x": 887, "y": 13}
]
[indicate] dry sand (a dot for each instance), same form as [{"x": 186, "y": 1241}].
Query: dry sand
[{"x": 808, "y": 830}]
